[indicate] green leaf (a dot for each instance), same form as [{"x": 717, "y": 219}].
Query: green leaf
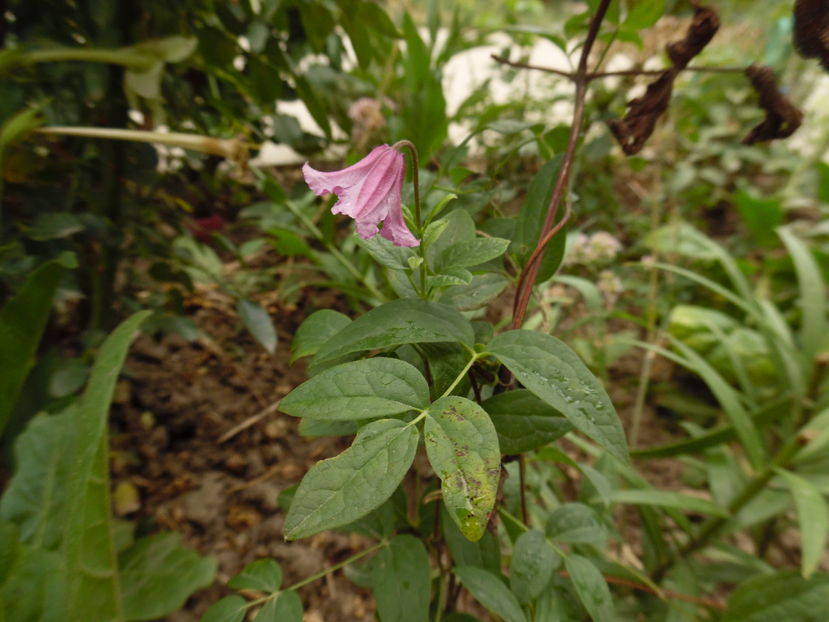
[
  {"x": 668, "y": 499},
  {"x": 462, "y": 446},
  {"x": 158, "y": 576},
  {"x": 395, "y": 323},
  {"x": 386, "y": 253},
  {"x": 814, "y": 325},
  {"x": 551, "y": 370},
  {"x": 532, "y": 566},
  {"x": 450, "y": 277},
  {"x": 365, "y": 389},
  {"x": 778, "y": 597},
  {"x": 22, "y": 321},
  {"x": 813, "y": 517},
  {"x": 228, "y": 609},
  {"x": 55, "y": 226},
  {"x": 730, "y": 400},
  {"x": 591, "y": 588},
  {"x": 400, "y": 578},
  {"x": 471, "y": 253},
  {"x": 531, "y": 221},
  {"x": 482, "y": 289},
  {"x": 485, "y": 553},
  {"x": 35, "y": 587},
  {"x": 760, "y": 216},
  {"x": 88, "y": 550},
  {"x": 19, "y": 126},
  {"x": 575, "y": 523},
  {"x": 258, "y": 322},
  {"x": 169, "y": 49},
  {"x": 287, "y": 607},
  {"x": 36, "y": 499},
  {"x": 342, "y": 489},
  {"x": 644, "y": 14},
  {"x": 264, "y": 575},
  {"x": 315, "y": 330},
  {"x": 524, "y": 422},
  {"x": 377, "y": 19},
  {"x": 424, "y": 117},
  {"x": 489, "y": 590}
]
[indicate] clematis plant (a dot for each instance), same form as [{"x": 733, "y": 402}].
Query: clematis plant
[{"x": 369, "y": 191}]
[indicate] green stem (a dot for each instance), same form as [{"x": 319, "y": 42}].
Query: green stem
[
  {"x": 456, "y": 381},
  {"x": 342, "y": 564},
  {"x": 418, "y": 213},
  {"x": 140, "y": 61},
  {"x": 320, "y": 574},
  {"x": 314, "y": 230}
]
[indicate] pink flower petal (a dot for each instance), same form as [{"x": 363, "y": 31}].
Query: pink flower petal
[
  {"x": 368, "y": 191},
  {"x": 329, "y": 183}
]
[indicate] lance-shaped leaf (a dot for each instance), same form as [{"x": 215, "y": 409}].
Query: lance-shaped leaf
[
  {"x": 591, "y": 588},
  {"x": 462, "y": 446},
  {"x": 395, "y": 323},
  {"x": 88, "y": 548},
  {"x": 551, "y": 370},
  {"x": 781, "y": 596},
  {"x": 813, "y": 518},
  {"x": 342, "y": 489},
  {"x": 22, "y": 321},
  {"x": 366, "y": 389},
  {"x": 491, "y": 592}
]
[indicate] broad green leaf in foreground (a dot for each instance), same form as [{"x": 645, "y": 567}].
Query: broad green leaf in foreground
[
  {"x": 22, "y": 320},
  {"x": 158, "y": 575},
  {"x": 88, "y": 549},
  {"x": 533, "y": 563},
  {"x": 400, "y": 578},
  {"x": 395, "y": 323},
  {"x": 489, "y": 590},
  {"x": 591, "y": 588},
  {"x": 551, "y": 370},
  {"x": 813, "y": 518},
  {"x": 35, "y": 500},
  {"x": 371, "y": 388},
  {"x": 779, "y": 597},
  {"x": 462, "y": 446},
  {"x": 340, "y": 490}
]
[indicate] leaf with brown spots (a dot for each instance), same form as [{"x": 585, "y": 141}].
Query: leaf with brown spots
[{"x": 462, "y": 446}]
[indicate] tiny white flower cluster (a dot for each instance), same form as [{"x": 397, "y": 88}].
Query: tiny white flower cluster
[
  {"x": 610, "y": 286},
  {"x": 367, "y": 114},
  {"x": 599, "y": 247}
]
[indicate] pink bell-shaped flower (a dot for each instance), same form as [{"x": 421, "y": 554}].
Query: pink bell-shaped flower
[{"x": 369, "y": 192}]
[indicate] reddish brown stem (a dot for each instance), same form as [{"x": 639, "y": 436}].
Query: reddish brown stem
[{"x": 530, "y": 272}]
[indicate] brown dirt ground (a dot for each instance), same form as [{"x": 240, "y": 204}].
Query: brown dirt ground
[{"x": 176, "y": 442}]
